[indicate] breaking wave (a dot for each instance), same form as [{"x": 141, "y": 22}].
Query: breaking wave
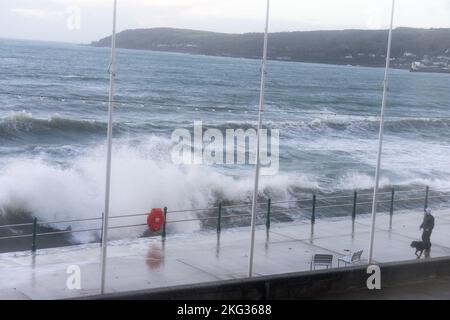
[
  {"x": 144, "y": 177},
  {"x": 363, "y": 125},
  {"x": 23, "y": 125}
]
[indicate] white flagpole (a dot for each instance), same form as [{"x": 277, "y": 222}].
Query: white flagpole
[
  {"x": 380, "y": 139},
  {"x": 257, "y": 166},
  {"x": 112, "y": 75}
]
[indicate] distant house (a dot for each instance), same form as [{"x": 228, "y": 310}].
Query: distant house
[
  {"x": 426, "y": 59},
  {"x": 443, "y": 58},
  {"x": 409, "y": 55}
]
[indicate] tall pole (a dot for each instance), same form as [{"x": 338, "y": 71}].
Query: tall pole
[
  {"x": 380, "y": 139},
  {"x": 112, "y": 75},
  {"x": 258, "y": 145}
]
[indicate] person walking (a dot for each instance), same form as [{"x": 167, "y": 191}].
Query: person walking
[{"x": 427, "y": 226}]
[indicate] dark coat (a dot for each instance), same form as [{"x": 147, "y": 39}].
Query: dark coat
[{"x": 428, "y": 223}]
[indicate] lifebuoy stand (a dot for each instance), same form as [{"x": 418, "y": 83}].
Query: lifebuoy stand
[{"x": 156, "y": 219}]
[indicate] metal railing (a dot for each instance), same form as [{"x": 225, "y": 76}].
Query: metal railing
[{"x": 351, "y": 205}]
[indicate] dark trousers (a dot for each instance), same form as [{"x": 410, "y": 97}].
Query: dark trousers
[{"x": 426, "y": 237}]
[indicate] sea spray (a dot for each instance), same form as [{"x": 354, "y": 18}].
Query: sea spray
[{"x": 141, "y": 180}]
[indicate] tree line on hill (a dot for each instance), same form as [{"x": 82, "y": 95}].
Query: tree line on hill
[{"x": 349, "y": 47}]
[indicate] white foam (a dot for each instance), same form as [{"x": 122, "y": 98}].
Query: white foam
[{"x": 142, "y": 179}]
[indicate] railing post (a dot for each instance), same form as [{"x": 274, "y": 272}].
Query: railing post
[
  {"x": 391, "y": 211},
  {"x": 219, "y": 219},
  {"x": 427, "y": 192},
  {"x": 313, "y": 216},
  {"x": 101, "y": 233},
  {"x": 163, "y": 234},
  {"x": 355, "y": 199},
  {"x": 269, "y": 204},
  {"x": 33, "y": 245}
]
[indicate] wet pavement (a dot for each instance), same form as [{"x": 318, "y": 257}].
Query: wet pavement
[{"x": 204, "y": 257}]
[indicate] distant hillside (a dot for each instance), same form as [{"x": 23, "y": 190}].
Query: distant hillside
[{"x": 355, "y": 47}]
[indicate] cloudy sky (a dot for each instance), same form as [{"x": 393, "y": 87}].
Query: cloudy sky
[{"x": 83, "y": 21}]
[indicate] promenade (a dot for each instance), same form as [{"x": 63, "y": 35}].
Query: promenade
[{"x": 203, "y": 257}]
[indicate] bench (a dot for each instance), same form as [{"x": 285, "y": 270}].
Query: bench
[
  {"x": 324, "y": 260},
  {"x": 351, "y": 259}
]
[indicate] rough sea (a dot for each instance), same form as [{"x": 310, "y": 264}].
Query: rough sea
[{"x": 53, "y": 121}]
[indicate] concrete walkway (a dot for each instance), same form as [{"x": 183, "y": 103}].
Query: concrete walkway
[{"x": 203, "y": 257}]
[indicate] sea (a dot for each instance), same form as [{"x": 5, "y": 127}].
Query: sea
[{"x": 53, "y": 125}]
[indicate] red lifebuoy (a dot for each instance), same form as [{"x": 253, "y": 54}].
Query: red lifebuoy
[{"x": 156, "y": 219}]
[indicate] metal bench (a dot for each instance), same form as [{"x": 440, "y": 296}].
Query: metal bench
[
  {"x": 351, "y": 259},
  {"x": 324, "y": 260}
]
